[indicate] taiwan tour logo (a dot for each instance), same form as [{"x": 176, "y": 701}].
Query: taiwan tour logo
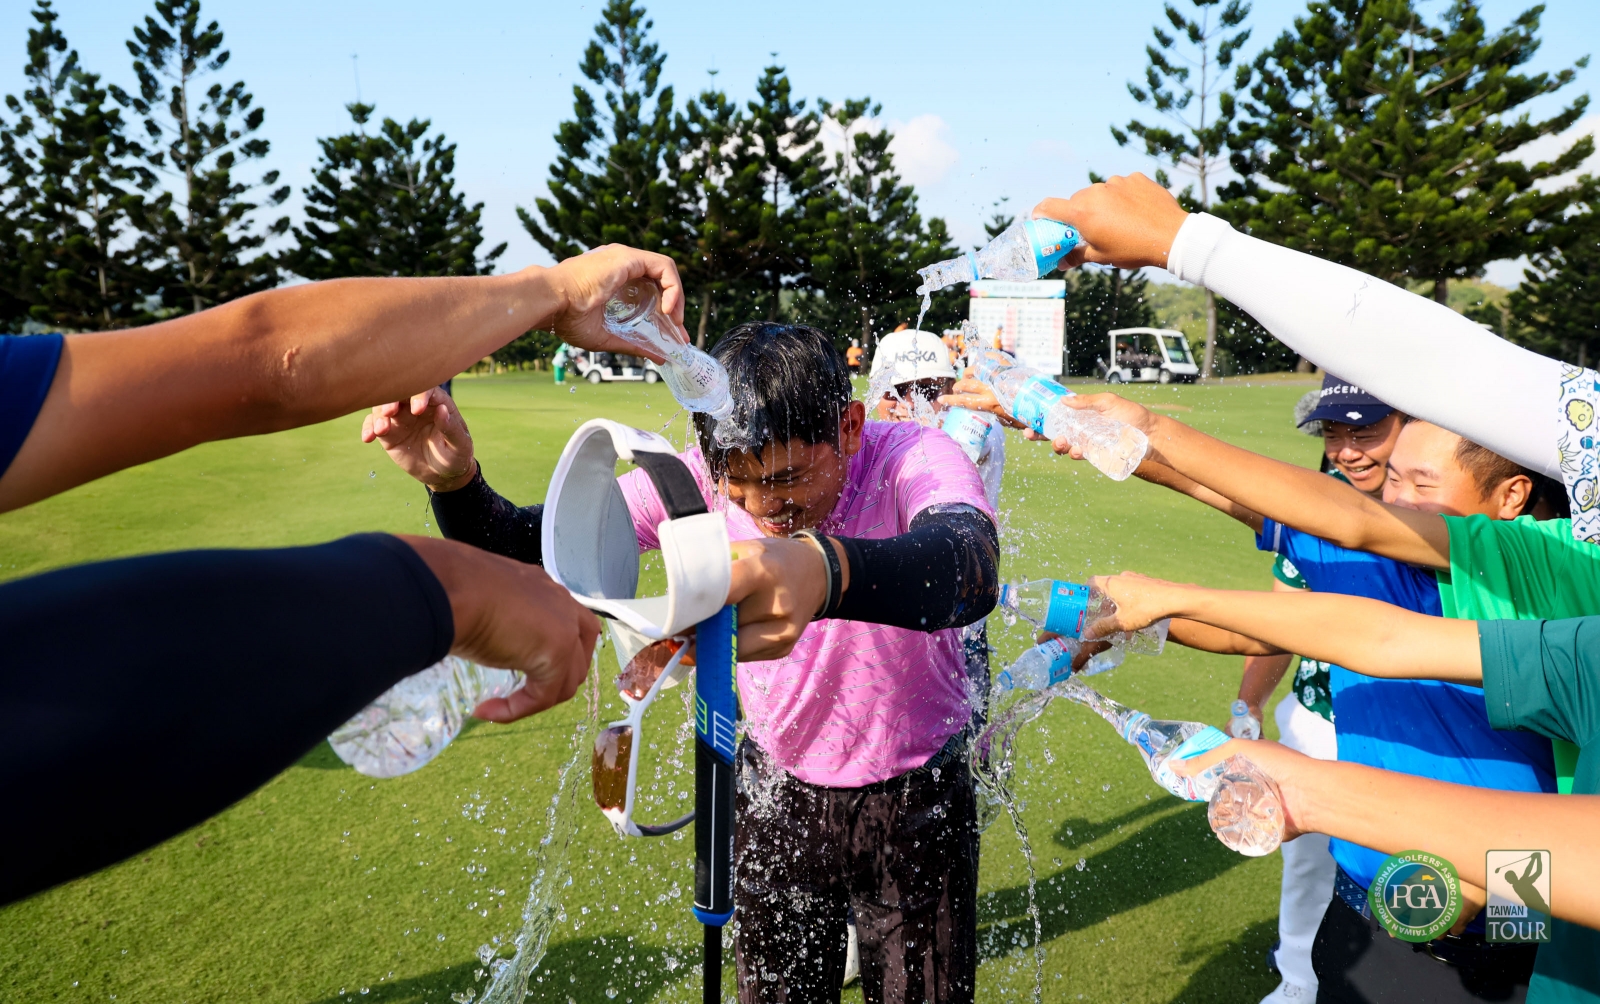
[
  {"x": 1416, "y": 896},
  {"x": 1519, "y": 896}
]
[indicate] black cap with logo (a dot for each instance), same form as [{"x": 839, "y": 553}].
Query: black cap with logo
[{"x": 1341, "y": 401}]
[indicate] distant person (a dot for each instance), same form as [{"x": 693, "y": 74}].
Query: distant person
[
  {"x": 852, "y": 357},
  {"x": 558, "y": 363}
]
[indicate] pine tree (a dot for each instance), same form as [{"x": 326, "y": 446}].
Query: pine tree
[
  {"x": 75, "y": 265},
  {"x": 612, "y": 180},
  {"x": 1377, "y": 140},
  {"x": 386, "y": 205},
  {"x": 797, "y": 184},
  {"x": 205, "y": 229},
  {"x": 1557, "y": 306},
  {"x": 1205, "y": 126},
  {"x": 868, "y": 244}
]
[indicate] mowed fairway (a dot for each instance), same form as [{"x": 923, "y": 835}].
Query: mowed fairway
[{"x": 326, "y": 886}]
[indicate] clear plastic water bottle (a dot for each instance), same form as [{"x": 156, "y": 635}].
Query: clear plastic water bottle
[
  {"x": 970, "y": 429},
  {"x": 696, "y": 379},
  {"x": 1036, "y": 400},
  {"x": 1246, "y": 808},
  {"x": 1025, "y": 250},
  {"x": 1243, "y": 725},
  {"x": 1043, "y": 665},
  {"x": 413, "y": 720},
  {"x": 1068, "y": 608}
]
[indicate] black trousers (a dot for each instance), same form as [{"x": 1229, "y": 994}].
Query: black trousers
[
  {"x": 902, "y": 853},
  {"x": 1358, "y": 962}
]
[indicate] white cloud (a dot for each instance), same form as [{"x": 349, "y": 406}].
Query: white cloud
[
  {"x": 922, "y": 151},
  {"x": 1549, "y": 147}
]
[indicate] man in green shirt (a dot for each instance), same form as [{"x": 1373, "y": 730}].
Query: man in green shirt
[{"x": 1540, "y": 676}]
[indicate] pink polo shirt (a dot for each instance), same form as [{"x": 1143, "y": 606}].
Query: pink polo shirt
[{"x": 853, "y": 703}]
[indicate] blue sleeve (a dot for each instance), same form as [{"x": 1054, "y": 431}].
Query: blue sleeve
[
  {"x": 143, "y": 695},
  {"x": 27, "y": 367},
  {"x": 1271, "y": 536}
]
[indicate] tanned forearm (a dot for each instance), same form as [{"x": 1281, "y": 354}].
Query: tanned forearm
[
  {"x": 1393, "y": 812},
  {"x": 1193, "y": 634},
  {"x": 267, "y": 362},
  {"x": 1371, "y": 637},
  {"x": 1299, "y": 497},
  {"x": 1158, "y": 473}
]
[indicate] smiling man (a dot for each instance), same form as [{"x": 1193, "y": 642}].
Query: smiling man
[{"x": 853, "y": 791}]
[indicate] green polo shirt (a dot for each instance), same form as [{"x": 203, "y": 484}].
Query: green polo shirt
[
  {"x": 1544, "y": 677},
  {"x": 1521, "y": 569}
]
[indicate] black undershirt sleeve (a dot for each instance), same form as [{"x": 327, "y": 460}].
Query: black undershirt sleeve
[
  {"x": 480, "y": 516},
  {"x": 142, "y": 696},
  {"x": 943, "y": 573}
]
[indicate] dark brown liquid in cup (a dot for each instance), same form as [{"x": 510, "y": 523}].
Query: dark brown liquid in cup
[{"x": 609, "y": 768}]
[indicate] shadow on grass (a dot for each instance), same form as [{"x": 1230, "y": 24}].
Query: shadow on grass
[
  {"x": 1238, "y": 972},
  {"x": 588, "y": 960},
  {"x": 1167, "y": 856}
]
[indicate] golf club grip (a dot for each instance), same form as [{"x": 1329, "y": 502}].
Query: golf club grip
[{"x": 716, "y": 710}]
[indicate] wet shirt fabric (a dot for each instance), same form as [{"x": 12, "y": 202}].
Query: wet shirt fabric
[
  {"x": 27, "y": 367},
  {"x": 1422, "y": 727},
  {"x": 1544, "y": 676},
  {"x": 1310, "y": 685},
  {"x": 1521, "y": 569},
  {"x": 854, "y": 703}
]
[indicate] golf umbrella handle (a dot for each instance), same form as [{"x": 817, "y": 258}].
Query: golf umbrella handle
[{"x": 716, "y": 710}]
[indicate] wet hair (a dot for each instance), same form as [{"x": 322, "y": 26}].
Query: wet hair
[
  {"x": 1489, "y": 469},
  {"x": 788, "y": 382}
]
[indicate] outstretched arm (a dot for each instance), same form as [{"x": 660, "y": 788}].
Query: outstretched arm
[
  {"x": 1392, "y": 812},
  {"x": 1375, "y": 638},
  {"x": 291, "y": 357},
  {"x": 1366, "y": 330}
]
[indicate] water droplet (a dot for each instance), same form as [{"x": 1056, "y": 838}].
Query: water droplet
[
  {"x": 1082, "y": 864},
  {"x": 372, "y": 474},
  {"x": 572, "y": 390},
  {"x": 611, "y": 992}
]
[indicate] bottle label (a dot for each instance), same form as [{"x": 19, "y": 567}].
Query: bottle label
[
  {"x": 1068, "y": 604},
  {"x": 970, "y": 430},
  {"x": 1051, "y": 242},
  {"x": 1060, "y": 655},
  {"x": 1200, "y": 787},
  {"x": 1035, "y": 399}
]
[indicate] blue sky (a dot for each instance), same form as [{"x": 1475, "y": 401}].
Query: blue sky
[{"x": 986, "y": 103}]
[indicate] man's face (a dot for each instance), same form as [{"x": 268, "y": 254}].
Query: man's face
[
  {"x": 1424, "y": 475},
  {"x": 1361, "y": 452},
  {"x": 792, "y": 486},
  {"x": 912, "y": 396}
]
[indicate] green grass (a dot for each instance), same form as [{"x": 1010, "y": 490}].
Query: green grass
[{"x": 323, "y": 883}]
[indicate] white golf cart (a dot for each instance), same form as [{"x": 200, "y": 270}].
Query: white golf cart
[
  {"x": 1149, "y": 355},
  {"x": 610, "y": 367}
]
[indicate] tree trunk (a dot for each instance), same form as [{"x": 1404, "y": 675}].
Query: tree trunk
[
  {"x": 866, "y": 330},
  {"x": 1302, "y": 365},
  {"x": 1583, "y": 355},
  {"x": 1441, "y": 290},
  {"x": 1211, "y": 334},
  {"x": 705, "y": 314}
]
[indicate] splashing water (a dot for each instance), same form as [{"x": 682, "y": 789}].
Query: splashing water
[
  {"x": 927, "y": 301},
  {"x": 992, "y": 762},
  {"x": 510, "y": 976}
]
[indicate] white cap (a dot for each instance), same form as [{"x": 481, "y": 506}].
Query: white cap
[{"x": 904, "y": 356}]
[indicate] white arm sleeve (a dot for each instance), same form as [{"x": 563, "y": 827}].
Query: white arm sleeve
[{"x": 1415, "y": 355}]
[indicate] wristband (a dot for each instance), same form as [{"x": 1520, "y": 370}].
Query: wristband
[{"x": 830, "y": 557}]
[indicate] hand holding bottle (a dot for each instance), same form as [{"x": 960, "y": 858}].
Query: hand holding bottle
[{"x": 1128, "y": 221}]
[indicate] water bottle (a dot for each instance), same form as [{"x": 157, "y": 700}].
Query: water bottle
[
  {"x": 1024, "y": 251},
  {"x": 413, "y": 720},
  {"x": 1067, "y": 608},
  {"x": 696, "y": 379},
  {"x": 1043, "y": 665},
  {"x": 970, "y": 429},
  {"x": 1246, "y": 808},
  {"x": 1243, "y": 725},
  {"x": 1036, "y": 400}
]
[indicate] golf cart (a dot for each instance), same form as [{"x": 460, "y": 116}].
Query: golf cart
[
  {"x": 1149, "y": 355},
  {"x": 608, "y": 367}
]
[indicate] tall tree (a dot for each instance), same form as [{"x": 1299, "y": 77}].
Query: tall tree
[
  {"x": 1098, "y": 302},
  {"x": 612, "y": 180},
  {"x": 1557, "y": 306},
  {"x": 1184, "y": 83},
  {"x": 76, "y": 264},
  {"x": 1376, "y": 139},
  {"x": 387, "y": 205},
  {"x": 868, "y": 244},
  {"x": 797, "y": 183},
  {"x": 201, "y": 135}
]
